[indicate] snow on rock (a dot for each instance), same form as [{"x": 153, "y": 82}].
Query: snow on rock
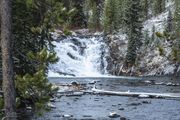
[{"x": 149, "y": 62}]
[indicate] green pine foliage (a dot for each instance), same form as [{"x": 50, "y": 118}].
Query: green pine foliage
[
  {"x": 110, "y": 14},
  {"x": 35, "y": 87},
  {"x": 79, "y": 20},
  {"x": 94, "y": 16},
  {"x": 145, "y": 8},
  {"x": 158, "y": 6},
  {"x": 169, "y": 26},
  {"x": 134, "y": 30}
]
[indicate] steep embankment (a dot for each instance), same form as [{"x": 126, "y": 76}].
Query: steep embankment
[{"x": 149, "y": 61}]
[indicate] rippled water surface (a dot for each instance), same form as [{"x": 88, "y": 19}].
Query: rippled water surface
[{"x": 97, "y": 107}]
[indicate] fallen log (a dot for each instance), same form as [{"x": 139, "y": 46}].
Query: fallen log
[{"x": 137, "y": 94}]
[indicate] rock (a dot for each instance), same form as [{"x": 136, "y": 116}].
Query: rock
[
  {"x": 113, "y": 115},
  {"x": 134, "y": 104},
  {"x": 78, "y": 93},
  {"x": 121, "y": 108},
  {"x": 57, "y": 115},
  {"x": 72, "y": 56},
  {"x": 29, "y": 108},
  {"x": 114, "y": 105},
  {"x": 146, "y": 102},
  {"x": 169, "y": 84},
  {"x": 87, "y": 116},
  {"x": 161, "y": 83},
  {"x": 52, "y": 100},
  {"x": 67, "y": 116},
  {"x": 147, "y": 81},
  {"x": 123, "y": 118},
  {"x": 92, "y": 82},
  {"x": 51, "y": 105},
  {"x": 74, "y": 83}
]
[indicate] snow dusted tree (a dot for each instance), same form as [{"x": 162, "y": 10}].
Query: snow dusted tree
[
  {"x": 176, "y": 47},
  {"x": 145, "y": 7},
  {"x": 177, "y": 18},
  {"x": 169, "y": 27},
  {"x": 134, "y": 30},
  {"x": 94, "y": 8},
  {"x": 159, "y": 6}
]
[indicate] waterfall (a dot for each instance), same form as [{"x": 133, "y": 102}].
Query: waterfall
[{"x": 80, "y": 57}]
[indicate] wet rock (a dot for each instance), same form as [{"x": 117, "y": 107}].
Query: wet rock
[
  {"x": 172, "y": 84},
  {"x": 146, "y": 102},
  {"x": 76, "y": 42},
  {"x": 92, "y": 82},
  {"x": 123, "y": 118},
  {"x": 51, "y": 105},
  {"x": 52, "y": 100},
  {"x": 160, "y": 83},
  {"x": 121, "y": 108},
  {"x": 67, "y": 116},
  {"x": 113, "y": 115},
  {"x": 29, "y": 108},
  {"x": 74, "y": 83},
  {"x": 150, "y": 81},
  {"x": 134, "y": 104},
  {"x": 87, "y": 116},
  {"x": 96, "y": 100},
  {"x": 114, "y": 105},
  {"x": 57, "y": 115},
  {"x": 72, "y": 56}
]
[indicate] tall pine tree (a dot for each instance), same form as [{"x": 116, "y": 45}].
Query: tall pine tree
[
  {"x": 134, "y": 30},
  {"x": 159, "y": 6},
  {"x": 110, "y": 16}
]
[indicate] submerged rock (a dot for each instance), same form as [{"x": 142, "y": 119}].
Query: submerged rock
[
  {"x": 67, "y": 116},
  {"x": 123, "y": 118},
  {"x": 113, "y": 115},
  {"x": 51, "y": 105},
  {"x": 121, "y": 108}
]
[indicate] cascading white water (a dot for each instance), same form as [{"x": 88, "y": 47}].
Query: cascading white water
[{"x": 79, "y": 57}]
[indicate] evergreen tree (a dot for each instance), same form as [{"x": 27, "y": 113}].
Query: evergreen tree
[
  {"x": 79, "y": 19},
  {"x": 145, "y": 7},
  {"x": 176, "y": 47},
  {"x": 169, "y": 27},
  {"x": 153, "y": 34},
  {"x": 121, "y": 8},
  {"x": 110, "y": 14},
  {"x": 159, "y": 6},
  {"x": 134, "y": 31},
  {"x": 94, "y": 17},
  {"x": 177, "y": 19}
]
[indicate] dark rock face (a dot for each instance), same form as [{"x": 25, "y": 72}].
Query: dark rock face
[
  {"x": 117, "y": 50},
  {"x": 148, "y": 61}
]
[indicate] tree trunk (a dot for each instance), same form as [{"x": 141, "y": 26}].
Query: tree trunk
[{"x": 7, "y": 61}]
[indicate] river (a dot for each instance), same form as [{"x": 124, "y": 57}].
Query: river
[{"x": 98, "y": 107}]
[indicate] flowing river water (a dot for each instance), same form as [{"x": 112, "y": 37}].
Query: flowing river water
[{"x": 98, "y": 107}]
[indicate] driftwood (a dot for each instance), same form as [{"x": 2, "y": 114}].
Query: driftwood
[{"x": 138, "y": 94}]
